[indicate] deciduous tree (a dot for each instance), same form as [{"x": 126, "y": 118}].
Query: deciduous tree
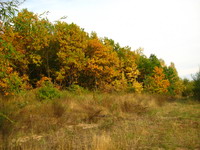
[{"x": 157, "y": 82}]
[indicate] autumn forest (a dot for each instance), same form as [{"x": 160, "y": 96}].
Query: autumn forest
[
  {"x": 63, "y": 88},
  {"x": 34, "y": 49}
]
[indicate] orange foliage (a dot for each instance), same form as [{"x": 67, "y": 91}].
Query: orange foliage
[
  {"x": 102, "y": 63},
  {"x": 33, "y": 50},
  {"x": 157, "y": 83}
]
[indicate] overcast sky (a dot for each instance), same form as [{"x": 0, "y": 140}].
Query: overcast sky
[{"x": 170, "y": 29}]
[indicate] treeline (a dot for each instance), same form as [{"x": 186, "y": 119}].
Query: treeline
[{"x": 34, "y": 49}]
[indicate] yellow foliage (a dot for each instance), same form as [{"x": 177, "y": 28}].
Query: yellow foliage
[
  {"x": 138, "y": 87},
  {"x": 31, "y": 47},
  {"x": 102, "y": 63}
]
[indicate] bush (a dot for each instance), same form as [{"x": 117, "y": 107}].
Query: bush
[
  {"x": 188, "y": 88},
  {"x": 77, "y": 89},
  {"x": 12, "y": 84},
  {"x": 47, "y": 91},
  {"x": 196, "y": 89}
]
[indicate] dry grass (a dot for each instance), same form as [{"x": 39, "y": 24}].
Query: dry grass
[{"x": 94, "y": 121}]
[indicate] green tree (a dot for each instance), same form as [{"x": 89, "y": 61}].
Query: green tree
[
  {"x": 176, "y": 84},
  {"x": 146, "y": 66}
]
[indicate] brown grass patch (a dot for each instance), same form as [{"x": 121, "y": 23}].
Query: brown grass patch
[{"x": 103, "y": 121}]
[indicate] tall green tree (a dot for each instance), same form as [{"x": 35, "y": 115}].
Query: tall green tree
[{"x": 146, "y": 66}]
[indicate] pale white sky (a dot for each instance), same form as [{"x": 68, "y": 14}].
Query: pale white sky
[{"x": 170, "y": 29}]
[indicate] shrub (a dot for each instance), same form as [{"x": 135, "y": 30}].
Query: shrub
[
  {"x": 77, "y": 89},
  {"x": 188, "y": 88},
  {"x": 196, "y": 88},
  {"x": 47, "y": 91},
  {"x": 12, "y": 84}
]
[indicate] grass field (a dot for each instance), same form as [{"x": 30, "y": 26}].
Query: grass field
[{"x": 96, "y": 121}]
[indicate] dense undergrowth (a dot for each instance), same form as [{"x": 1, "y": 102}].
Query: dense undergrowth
[{"x": 93, "y": 120}]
